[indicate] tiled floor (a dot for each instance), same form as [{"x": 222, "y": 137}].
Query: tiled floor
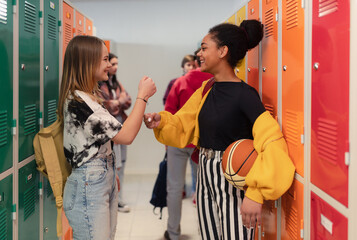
[{"x": 141, "y": 223}]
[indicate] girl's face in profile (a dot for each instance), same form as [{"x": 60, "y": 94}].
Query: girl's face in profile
[
  {"x": 188, "y": 66},
  {"x": 113, "y": 69},
  {"x": 101, "y": 73},
  {"x": 209, "y": 54}
]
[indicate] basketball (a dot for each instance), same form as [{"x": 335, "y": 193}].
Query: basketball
[{"x": 237, "y": 160}]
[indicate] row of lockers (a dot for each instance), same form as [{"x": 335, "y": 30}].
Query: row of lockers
[
  {"x": 33, "y": 36},
  {"x": 277, "y": 70}
]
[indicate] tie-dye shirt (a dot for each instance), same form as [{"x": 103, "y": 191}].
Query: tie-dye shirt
[{"x": 88, "y": 129}]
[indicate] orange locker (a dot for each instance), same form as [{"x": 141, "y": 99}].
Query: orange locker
[
  {"x": 240, "y": 68},
  {"x": 107, "y": 44},
  {"x": 330, "y": 97},
  {"x": 326, "y": 222},
  {"x": 67, "y": 233},
  {"x": 68, "y": 23},
  {"x": 79, "y": 25},
  {"x": 293, "y": 80},
  {"x": 253, "y": 55},
  {"x": 270, "y": 56},
  {"x": 89, "y": 27},
  {"x": 269, "y": 221},
  {"x": 292, "y": 212}
]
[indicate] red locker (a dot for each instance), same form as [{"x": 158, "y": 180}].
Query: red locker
[
  {"x": 79, "y": 26},
  {"x": 253, "y": 55},
  {"x": 326, "y": 222},
  {"x": 293, "y": 80},
  {"x": 330, "y": 97},
  {"x": 68, "y": 23}
]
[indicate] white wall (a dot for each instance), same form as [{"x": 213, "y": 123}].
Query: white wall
[{"x": 151, "y": 37}]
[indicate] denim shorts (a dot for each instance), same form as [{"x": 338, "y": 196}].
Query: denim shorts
[{"x": 90, "y": 199}]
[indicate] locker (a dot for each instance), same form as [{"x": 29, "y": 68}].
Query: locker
[
  {"x": 326, "y": 222},
  {"x": 253, "y": 54},
  {"x": 28, "y": 215},
  {"x": 51, "y": 61},
  {"x": 6, "y": 92},
  {"x": 49, "y": 212},
  {"x": 89, "y": 27},
  {"x": 270, "y": 56},
  {"x": 240, "y": 68},
  {"x": 292, "y": 212},
  {"x": 67, "y": 232},
  {"x": 293, "y": 80},
  {"x": 232, "y": 19},
  {"x": 6, "y": 208},
  {"x": 68, "y": 25},
  {"x": 330, "y": 97},
  {"x": 79, "y": 24},
  {"x": 269, "y": 221},
  {"x": 29, "y": 75}
]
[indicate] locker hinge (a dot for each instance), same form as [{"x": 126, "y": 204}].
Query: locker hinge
[
  {"x": 302, "y": 233},
  {"x": 40, "y": 120},
  {"x": 302, "y": 138},
  {"x": 13, "y": 210},
  {"x": 347, "y": 158},
  {"x": 277, "y": 17},
  {"x": 302, "y": 3},
  {"x": 40, "y": 15},
  {"x": 59, "y": 26},
  {"x": 13, "y": 127},
  {"x": 40, "y": 189},
  {"x": 14, "y": 6}
]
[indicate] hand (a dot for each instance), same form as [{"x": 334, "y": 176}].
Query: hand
[
  {"x": 251, "y": 212},
  {"x": 147, "y": 88},
  {"x": 152, "y": 120}
]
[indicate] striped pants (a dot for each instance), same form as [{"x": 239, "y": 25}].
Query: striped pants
[{"x": 218, "y": 202}]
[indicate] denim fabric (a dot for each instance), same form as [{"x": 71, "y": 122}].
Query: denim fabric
[{"x": 91, "y": 201}]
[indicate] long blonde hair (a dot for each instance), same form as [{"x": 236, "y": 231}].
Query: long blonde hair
[{"x": 81, "y": 60}]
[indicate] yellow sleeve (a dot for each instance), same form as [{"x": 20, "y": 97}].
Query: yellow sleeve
[
  {"x": 273, "y": 171},
  {"x": 178, "y": 130}
]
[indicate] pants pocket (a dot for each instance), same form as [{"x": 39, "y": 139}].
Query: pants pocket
[
  {"x": 96, "y": 174},
  {"x": 70, "y": 193}
]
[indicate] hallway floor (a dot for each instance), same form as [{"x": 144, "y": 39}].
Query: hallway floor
[{"x": 141, "y": 223}]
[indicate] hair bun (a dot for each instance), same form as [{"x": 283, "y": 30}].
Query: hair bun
[{"x": 254, "y": 30}]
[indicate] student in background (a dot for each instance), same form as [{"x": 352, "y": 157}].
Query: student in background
[
  {"x": 229, "y": 110},
  {"x": 90, "y": 196},
  {"x": 117, "y": 100}
]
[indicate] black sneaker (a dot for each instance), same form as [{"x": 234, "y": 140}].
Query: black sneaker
[
  {"x": 123, "y": 208},
  {"x": 166, "y": 235}
]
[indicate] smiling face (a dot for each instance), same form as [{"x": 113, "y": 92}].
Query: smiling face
[
  {"x": 209, "y": 55},
  {"x": 188, "y": 66},
  {"x": 101, "y": 73}
]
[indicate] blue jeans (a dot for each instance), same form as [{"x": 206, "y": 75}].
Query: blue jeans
[{"x": 90, "y": 199}]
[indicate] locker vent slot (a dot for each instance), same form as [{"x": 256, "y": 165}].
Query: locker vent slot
[
  {"x": 292, "y": 223},
  {"x": 67, "y": 33},
  {"x": 327, "y": 138},
  {"x": 30, "y": 17},
  {"x": 291, "y": 130},
  {"x": 30, "y": 119},
  {"x": 269, "y": 23},
  {"x": 327, "y": 7},
  {"x": 291, "y": 14},
  {"x": 51, "y": 111},
  {"x": 29, "y": 202},
  {"x": 3, "y": 128},
  {"x": 269, "y": 108},
  {"x": 52, "y": 27},
  {"x": 3, "y": 224},
  {"x": 3, "y": 14}
]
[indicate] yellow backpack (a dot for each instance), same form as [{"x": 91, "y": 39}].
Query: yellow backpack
[{"x": 51, "y": 162}]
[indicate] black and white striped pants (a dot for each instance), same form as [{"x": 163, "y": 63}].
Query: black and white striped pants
[{"x": 218, "y": 202}]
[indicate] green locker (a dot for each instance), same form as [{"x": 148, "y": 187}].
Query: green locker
[
  {"x": 49, "y": 212},
  {"x": 6, "y": 90},
  {"x": 6, "y": 207},
  {"x": 29, "y": 214},
  {"x": 29, "y": 75},
  {"x": 51, "y": 60}
]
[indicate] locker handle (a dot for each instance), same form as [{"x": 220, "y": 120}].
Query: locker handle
[
  {"x": 316, "y": 65},
  {"x": 264, "y": 69},
  {"x": 285, "y": 67},
  {"x": 23, "y": 66},
  {"x": 46, "y": 68},
  {"x": 248, "y": 69}
]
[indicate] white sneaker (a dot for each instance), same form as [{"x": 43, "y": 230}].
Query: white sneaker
[{"x": 123, "y": 208}]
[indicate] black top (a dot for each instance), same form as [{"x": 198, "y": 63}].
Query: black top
[{"x": 228, "y": 114}]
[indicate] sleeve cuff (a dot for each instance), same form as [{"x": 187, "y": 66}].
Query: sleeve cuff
[{"x": 254, "y": 194}]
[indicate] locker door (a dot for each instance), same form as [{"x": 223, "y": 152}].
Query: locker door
[
  {"x": 232, "y": 19},
  {"x": 269, "y": 221},
  {"x": 28, "y": 216},
  {"x": 240, "y": 68},
  {"x": 293, "y": 80},
  {"x": 253, "y": 54},
  {"x": 49, "y": 212},
  {"x": 326, "y": 222},
  {"x": 79, "y": 24},
  {"x": 51, "y": 61},
  {"x": 6, "y": 208},
  {"x": 29, "y": 75},
  {"x": 270, "y": 56},
  {"x": 292, "y": 209},
  {"x": 330, "y": 97},
  {"x": 89, "y": 27},
  {"x": 6, "y": 39},
  {"x": 68, "y": 25}
]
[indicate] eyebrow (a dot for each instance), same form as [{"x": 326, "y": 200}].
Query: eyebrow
[{"x": 203, "y": 43}]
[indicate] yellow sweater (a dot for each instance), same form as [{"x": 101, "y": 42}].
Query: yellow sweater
[{"x": 273, "y": 171}]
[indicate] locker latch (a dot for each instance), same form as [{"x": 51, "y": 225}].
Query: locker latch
[
  {"x": 13, "y": 127},
  {"x": 40, "y": 120},
  {"x": 14, "y": 6},
  {"x": 40, "y": 189},
  {"x": 13, "y": 210},
  {"x": 347, "y": 158}
]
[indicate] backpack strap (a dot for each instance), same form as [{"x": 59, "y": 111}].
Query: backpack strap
[{"x": 208, "y": 86}]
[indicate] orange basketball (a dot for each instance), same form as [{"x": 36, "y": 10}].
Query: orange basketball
[{"x": 237, "y": 160}]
